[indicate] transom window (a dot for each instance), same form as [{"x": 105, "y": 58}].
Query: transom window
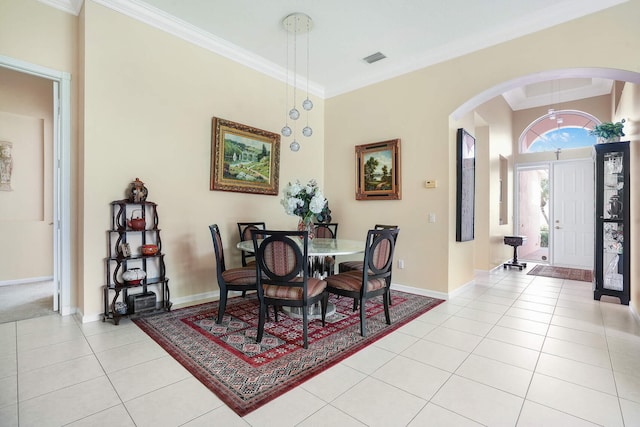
[{"x": 563, "y": 129}]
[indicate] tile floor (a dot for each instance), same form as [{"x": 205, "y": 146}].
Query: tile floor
[{"x": 512, "y": 350}]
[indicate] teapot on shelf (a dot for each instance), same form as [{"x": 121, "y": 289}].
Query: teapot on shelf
[{"x": 137, "y": 223}]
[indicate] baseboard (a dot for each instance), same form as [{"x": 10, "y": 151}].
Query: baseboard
[
  {"x": 205, "y": 296},
  {"x": 420, "y": 291},
  {"x": 28, "y": 280},
  {"x": 182, "y": 301},
  {"x": 634, "y": 311}
]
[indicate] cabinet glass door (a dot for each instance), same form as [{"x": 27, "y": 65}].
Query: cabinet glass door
[
  {"x": 613, "y": 186},
  {"x": 613, "y": 227},
  {"x": 612, "y": 256}
]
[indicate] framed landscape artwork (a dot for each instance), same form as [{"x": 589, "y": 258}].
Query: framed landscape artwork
[
  {"x": 378, "y": 171},
  {"x": 244, "y": 159},
  {"x": 466, "y": 182}
]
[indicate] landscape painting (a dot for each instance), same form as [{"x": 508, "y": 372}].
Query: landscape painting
[
  {"x": 378, "y": 171},
  {"x": 244, "y": 159}
]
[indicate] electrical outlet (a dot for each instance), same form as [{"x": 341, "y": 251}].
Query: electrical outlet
[
  {"x": 400, "y": 263},
  {"x": 432, "y": 217},
  {"x": 431, "y": 183}
]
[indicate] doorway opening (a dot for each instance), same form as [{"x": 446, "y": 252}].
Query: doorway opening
[
  {"x": 554, "y": 209},
  {"x": 61, "y": 86}
]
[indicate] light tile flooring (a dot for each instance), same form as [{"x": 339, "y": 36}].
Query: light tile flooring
[{"x": 512, "y": 350}]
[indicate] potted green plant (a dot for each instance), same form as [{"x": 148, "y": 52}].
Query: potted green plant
[{"x": 608, "y": 131}]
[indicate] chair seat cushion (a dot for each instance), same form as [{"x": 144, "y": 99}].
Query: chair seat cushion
[
  {"x": 350, "y": 265},
  {"x": 352, "y": 281},
  {"x": 314, "y": 287},
  {"x": 240, "y": 276}
]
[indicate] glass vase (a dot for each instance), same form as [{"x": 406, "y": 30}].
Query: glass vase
[{"x": 307, "y": 226}]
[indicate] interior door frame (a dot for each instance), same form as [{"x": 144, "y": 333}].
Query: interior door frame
[{"x": 61, "y": 176}]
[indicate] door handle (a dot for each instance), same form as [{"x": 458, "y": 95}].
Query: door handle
[{"x": 558, "y": 227}]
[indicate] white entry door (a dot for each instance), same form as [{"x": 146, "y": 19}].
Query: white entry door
[{"x": 573, "y": 214}]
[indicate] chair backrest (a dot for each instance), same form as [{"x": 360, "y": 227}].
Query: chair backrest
[
  {"x": 378, "y": 254},
  {"x": 281, "y": 259},
  {"x": 244, "y": 230},
  {"x": 385, "y": 227},
  {"x": 217, "y": 248},
  {"x": 327, "y": 230}
]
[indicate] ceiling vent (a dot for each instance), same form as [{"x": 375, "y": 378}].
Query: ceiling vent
[{"x": 374, "y": 58}]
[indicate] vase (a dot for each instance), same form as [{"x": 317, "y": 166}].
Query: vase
[
  {"x": 307, "y": 226},
  {"x": 603, "y": 140},
  {"x": 137, "y": 192}
]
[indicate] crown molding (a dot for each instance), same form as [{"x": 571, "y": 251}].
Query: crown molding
[{"x": 70, "y": 6}]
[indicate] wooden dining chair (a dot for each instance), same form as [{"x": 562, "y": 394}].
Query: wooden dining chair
[
  {"x": 283, "y": 276},
  {"x": 326, "y": 230},
  {"x": 372, "y": 281},
  {"x": 358, "y": 265},
  {"x": 241, "y": 279},
  {"x": 244, "y": 230}
]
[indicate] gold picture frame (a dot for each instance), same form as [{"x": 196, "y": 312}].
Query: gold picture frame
[
  {"x": 378, "y": 174},
  {"x": 244, "y": 159}
]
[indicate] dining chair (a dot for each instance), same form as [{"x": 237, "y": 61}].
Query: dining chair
[
  {"x": 358, "y": 265},
  {"x": 372, "y": 281},
  {"x": 283, "y": 276},
  {"x": 326, "y": 230},
  {"x": 233, "y": 279},
  {"x": 244, "y": 230}
]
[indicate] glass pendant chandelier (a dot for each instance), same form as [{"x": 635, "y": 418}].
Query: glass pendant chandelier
[{"x": 295, "y": 24}]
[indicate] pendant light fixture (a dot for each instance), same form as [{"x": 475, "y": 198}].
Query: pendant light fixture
[{"x": 295, "y": 24}]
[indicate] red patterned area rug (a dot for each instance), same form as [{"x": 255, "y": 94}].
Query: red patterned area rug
[
  {"x": 245, "y": 374},
  {"x": 562, "y": 273}
]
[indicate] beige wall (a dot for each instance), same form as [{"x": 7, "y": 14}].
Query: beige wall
[
  {"x": 147, "y": 102},
  {"x": 416, "y": 108},
  {"x": 498, "y": 114},
  {"x": 629, "y": 110}
]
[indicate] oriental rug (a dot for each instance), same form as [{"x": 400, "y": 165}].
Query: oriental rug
[
  {"x": 562, "y": 273},
  {"x": 245, "y": 374}
]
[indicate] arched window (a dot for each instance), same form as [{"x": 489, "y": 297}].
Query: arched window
[{"x": 565, "y": 129}]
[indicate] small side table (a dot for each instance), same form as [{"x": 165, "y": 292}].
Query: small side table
[{"x": 515, "y": 241}]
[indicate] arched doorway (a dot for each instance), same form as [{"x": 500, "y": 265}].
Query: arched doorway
[{"x": 479, "y": 102}]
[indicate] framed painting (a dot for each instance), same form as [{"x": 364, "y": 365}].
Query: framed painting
[
  {"x": 465, "y": 185},
  {"x": 378, "y": 171},
  {"x": 244, "y": 159}
]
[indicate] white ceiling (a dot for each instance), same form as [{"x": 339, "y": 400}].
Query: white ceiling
[{"x": 411, "y": 33}]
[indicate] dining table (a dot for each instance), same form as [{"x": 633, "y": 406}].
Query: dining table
[{"x": 321, "y": 253}]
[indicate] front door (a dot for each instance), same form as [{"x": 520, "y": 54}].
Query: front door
[{"x": 572, "y": 225}]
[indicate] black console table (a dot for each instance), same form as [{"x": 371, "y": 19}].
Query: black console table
[{"x": 515, "y": 241}]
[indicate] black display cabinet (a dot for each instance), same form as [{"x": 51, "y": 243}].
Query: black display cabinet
[{"x": 612, "y": 266}]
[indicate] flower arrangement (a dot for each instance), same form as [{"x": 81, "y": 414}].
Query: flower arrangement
[
  {"x": 306, "y": 202},
  {"x": 608, "y": 130}
]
